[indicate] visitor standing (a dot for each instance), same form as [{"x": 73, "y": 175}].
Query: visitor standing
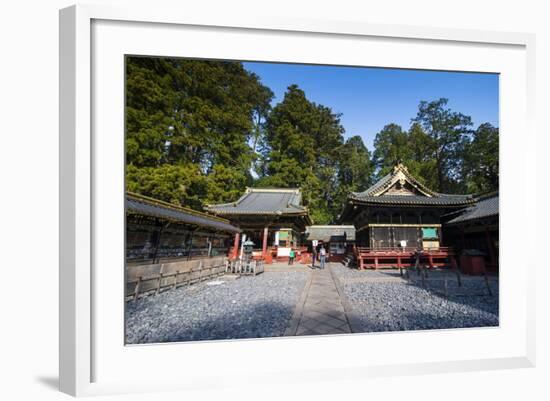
[
  {"x": 322, "y": 256},
  {"x": 291, "y": 256},
  {"x": 313, "y": 255}
]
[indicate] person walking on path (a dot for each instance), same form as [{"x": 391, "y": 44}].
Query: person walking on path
[
  {"x": 322, "y": 256},
  {"x": 291, "y": 256},
  {"x": 313, "y": 256}
]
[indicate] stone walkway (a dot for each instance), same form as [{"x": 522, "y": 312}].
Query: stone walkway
[{"x": 320, "y": 309}]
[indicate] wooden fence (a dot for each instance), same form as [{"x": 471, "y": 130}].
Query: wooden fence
[
  {"x": 245, "y": 267},
  {"x": 154, "y": 278}
]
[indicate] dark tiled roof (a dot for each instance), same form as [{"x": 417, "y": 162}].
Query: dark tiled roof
[
  {"x": 485, "y": 207},
  {"x": 327, "y": 233},
  {"x": 376, "y": 186},
  {"x": 276, "y": 201},
  {"x": 139, "y": 204},
  {"x": 438, "y": 200}
]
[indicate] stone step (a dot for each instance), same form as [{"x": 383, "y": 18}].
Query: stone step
[{"x": 229, "y": 277}]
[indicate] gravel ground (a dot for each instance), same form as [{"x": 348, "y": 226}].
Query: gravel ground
[
  {"x": 249, "y": 307},
  {"x": 401, "y": 305}
]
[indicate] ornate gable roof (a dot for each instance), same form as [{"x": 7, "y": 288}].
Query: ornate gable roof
[
  {"x": 400, "y": 187},
  {"x": 399, "y": 177}
]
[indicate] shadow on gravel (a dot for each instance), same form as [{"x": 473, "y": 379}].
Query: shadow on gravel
[
  {"x": 412, "y": 307},
  {"x": 397, "y": 305},
  {"x": 246, "y": 321},
  {"x": 473, "y": 293},
  {"x": 423, "y": 320}
]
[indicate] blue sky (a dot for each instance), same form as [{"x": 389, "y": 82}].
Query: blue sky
[{"x": 370, "y": 98}]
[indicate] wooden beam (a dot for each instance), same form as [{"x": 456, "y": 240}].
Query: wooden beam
[
  {"x": 157, "y": 243},
  {"x": 264, "y": 241},
  {"x": 190, "y": 246},
  {"x": 490, "y": 246},
  {"x": 402, "y": 225}
]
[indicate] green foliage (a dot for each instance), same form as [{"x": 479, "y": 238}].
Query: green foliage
[
  {"x": 437, "y": 150},
  {"x": 180, "y": 184},
  {"x": 195, "y": 129},
  {"x": 225, "y": 184},
  {"x": 449, "y": 132},
  {"x": 355, "y": 165},
  {"x": 301, "y": 149},
  {"x": 195, "y": 118},
  {"x": 413, "y": 148},
  {"x": 391, "y": 147},
  {"x": 194, "y": 111},
  {"x": 185, "y": 184},
  {"x": 355, "y": 171},
  {"x": 481, "y": 160},
  {"x": 148, "y": 111}
]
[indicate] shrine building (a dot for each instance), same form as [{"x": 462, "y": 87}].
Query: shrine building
[
  {"x": 476, "y": 228},
  {"x": 158, "y": 232},
  {"x": 398, "y": 213},
  {"x": 274, "y": 219}
]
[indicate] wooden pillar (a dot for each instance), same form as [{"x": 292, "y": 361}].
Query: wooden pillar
[
  {"x": 264, "y": 242},
  {"x": 190, "y": 248},
  {"x": 156, "y": 244},
  {"x": 490, "y": 246},
  {"x": 235, "y": 247},
  {"x": 371, "y": 237},
  {"x": 419, "y": 233}
]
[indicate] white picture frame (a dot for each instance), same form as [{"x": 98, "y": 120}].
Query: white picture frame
[{"x": 84, "y": 203}]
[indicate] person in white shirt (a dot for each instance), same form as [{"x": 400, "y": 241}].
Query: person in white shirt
[{"x": 322, "y": 256}]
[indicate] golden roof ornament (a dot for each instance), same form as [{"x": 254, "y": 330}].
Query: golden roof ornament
[{"x": 400, "y": 166}]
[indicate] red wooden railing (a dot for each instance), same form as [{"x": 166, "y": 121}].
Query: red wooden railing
[
  {"x": 403, "y": 257},
  {"x": 302, "y": 255}
]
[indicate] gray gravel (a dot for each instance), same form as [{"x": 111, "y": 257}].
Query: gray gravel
[
  {"x": 382, "y": 302},
  {"x": 249, "y": 307}
]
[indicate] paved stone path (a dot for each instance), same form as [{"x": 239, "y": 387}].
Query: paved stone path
[{"x": 320, "y": 309}]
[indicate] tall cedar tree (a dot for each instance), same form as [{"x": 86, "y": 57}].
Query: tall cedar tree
[
  {"x": 355, "y": 166},
  {"x": 422, "y": 163},
  {"x": 355, "y": 171},
  {"x": 191, "y": 122},
  {"x": 450, "y": 132},
  {"x": 391, "y": 146},
  {"x": 300, "y": 149},
  {"x": 481, "y": 160},
  {"x": 417, "y": 151}
]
